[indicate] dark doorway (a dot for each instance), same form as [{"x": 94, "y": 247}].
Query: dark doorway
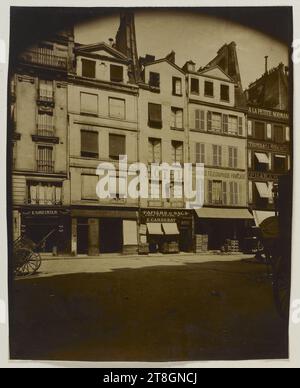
[
  {"x": 111, "y": 235},
  {"x": 38, "y": 230},
  {"x": 82, "y": 236}
]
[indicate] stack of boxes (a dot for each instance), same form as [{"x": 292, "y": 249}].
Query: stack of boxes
[
  {"x": 201, "y": 243},
  {"x": 231, "y": 246}
]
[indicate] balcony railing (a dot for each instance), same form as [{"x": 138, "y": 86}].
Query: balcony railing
[
  {"x": 45, "y": 130},
  {"x": 45, "y": 59},
  {"x": 45, "y": 166},
  {"x": 45, "y": 96}
]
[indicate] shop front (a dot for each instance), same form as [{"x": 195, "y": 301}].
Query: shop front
[
  {"x": 166, "y": 231},
  {"x": 225, "y": 228},
  {"x": 102, "y": 231},
  {"x": 39, "y": 222}
]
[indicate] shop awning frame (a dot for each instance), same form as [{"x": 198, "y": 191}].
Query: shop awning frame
[
  {"x": 262, "y": 158},
  {"x": 221, "y": 213},
  {"x": 263, "y": 190},
  {"x": 155, "y": 229},
  {"x": 170, "y": 229}
]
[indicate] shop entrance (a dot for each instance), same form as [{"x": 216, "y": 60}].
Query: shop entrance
[
  {"x": 82, "y": 236},
  {"x": 38, "y": 230},
  {"x": 111, "y": 235}
]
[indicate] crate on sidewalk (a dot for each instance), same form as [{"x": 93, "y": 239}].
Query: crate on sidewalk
[
  {"x": 231, "y": 246},
  {"x": 201, "y": 243}
]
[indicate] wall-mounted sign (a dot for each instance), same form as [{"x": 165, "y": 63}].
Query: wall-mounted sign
[
  {"x": 256, "y": 175},
  {"x": 45, "y": 212},
  {"x": 163, "y": 216},
  {"x": 268, "y": 146},
  {"x": 224, "y": 174},
  {"x": 268, "y": 113}
]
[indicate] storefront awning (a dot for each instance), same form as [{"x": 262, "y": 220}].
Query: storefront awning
[
  {"x": 154, "y": 229},
  {"x": 171, "y": 229},
  {"x": 260, "y": 216},
  {"x": 262, "y": 158},
  {"x": 237, "y": 214},
  {"x": 263, "y": 190}
]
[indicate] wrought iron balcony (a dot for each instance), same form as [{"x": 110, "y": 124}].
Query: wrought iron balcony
[
  {"x": 45, "y": 59},
  {"x": 45, "y": 166},
  {"x": 46, "y": 130}
]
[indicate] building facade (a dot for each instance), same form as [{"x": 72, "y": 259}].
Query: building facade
[{"x": 38, "y": 129}]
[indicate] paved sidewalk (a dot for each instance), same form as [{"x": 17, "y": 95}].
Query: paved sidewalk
[{"x": 61, "y": 265}]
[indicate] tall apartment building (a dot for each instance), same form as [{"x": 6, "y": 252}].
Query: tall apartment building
[
  {"x": 269, "y": 138},
  {"x": 38, "y": 129}
]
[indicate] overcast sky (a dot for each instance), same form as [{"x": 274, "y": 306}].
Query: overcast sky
[{"x": 191, "y": 36}]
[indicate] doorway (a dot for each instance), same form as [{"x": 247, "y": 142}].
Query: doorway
[
  {"x": 82, "y": 236},
  {"x": 111, "y": 235}
]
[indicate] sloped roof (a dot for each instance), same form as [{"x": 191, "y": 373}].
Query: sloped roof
[{"x": 92, "y": 48}]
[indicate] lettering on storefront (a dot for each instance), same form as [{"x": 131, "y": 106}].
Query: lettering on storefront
[
  {"x": 269, "y": 113},
  {"x": 224, "y": 174},
  {"x": 163, "y": 216},
  {"x": 268, "y": 146},
  {"x": 44, "y": 212},
  {"x": 262, "y": 176}
]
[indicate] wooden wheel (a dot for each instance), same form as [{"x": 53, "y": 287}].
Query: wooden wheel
[{"x": 27, "y": 261}]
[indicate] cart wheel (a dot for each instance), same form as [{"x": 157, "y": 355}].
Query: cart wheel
[
  {"x": 28, "y": 262},
  {"x": 282, "y": 288}
]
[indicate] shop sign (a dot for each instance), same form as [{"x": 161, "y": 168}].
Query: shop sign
[
  {"x": 268, "y": 146},
  {"x": 262, "y": 176},
  {"x": 269, "y": 113},
  {"x": 224, "y": 174},
  {"x": 45, "y": 212},
  {"x": 163, "y": 216}
]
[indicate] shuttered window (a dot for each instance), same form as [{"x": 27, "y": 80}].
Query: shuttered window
[
  {"x": 89, "y": 103},
  {"x": 200, "y": 120},
  {"x": 232, "y": 125},
  {"x": 117, "y": 146},
  {"x": 241, "y": 131},
  {"x": 224, "y": 193},
  {"x": 209, "y": 121},
  {"x": 225, "y": 123},
  {"x": 217, "y": 156},
  {"x": 45, "y": 161},
  {"x": 154, "y": 115},
  {"x": 154, "y": 155},
  {"x": 200, "y": 153},
  {"x": 176, "y": 118},
  {"x": 259, "y": 130},
  {"x": 88, "y": 68},
  {"x": 89, "y": 144},
  {"x": 177, "y": 152},
  {"x": 233, "y": 157},
  {"x": 217, "y": 192},
  {"x": 117, "y": 108},
  {"x": 234, "y": 193},
  {"x": 116, "y": 73}
]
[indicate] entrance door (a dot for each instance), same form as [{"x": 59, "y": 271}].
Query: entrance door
[
  {"x": 111, "y": 235},
  {"x": 82, "y": 236},
  {"x": 39, "y": 230}
]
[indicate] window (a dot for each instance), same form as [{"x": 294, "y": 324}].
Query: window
[
  {"x": 225, "y": 93},
  {"x": 249, "y": 128},
  {"x": 177, "y": 118},
  {"x": 225, "y": 123},
  {"x": 88, "y": 186},
  {"x": 117, "y": 108},
  {"x": 214, "y": 122},
  {"x": 234, "y": 193},
  {"x": 117, "y": 146},
  {"x": 217, "y": 156},
  {"x": 261, "y": 162},
  {"x": 45, "y": 159},
  {"x": 89, "y": 144},
  {"x": 279, "y": 135},
  {"x": 44, "y": 193},
  {"x": 200, "y": 120},
  {"x": 195, "y": 86},
  {"x": 241, "y": 121},
  {"x": 154, "y": 115},
  {"x": 46, "y": 90},
  {"x": 45, "y": 124},
  {"x": 177, "y": 86},
  {"x": 232, "y": 125},
  {"x": 116, "y": 73},
  {"x": 89, "y": 103},
  {"x": 154, "y": 79},
  {"x": 215, "y": 192},
  {"x": 88, "y": 68},
  {"x": 154, "y": 150},
  {"x": 177, "y": 152},
  {"x": 269, "y": 131},
  {"x": 233, "y": 157},
  {"x": 280, "y": 164},
  {"x": 209, "y": 89},
  {"x": 200, "y": 153},
  {"x": 259, "y": 130}
]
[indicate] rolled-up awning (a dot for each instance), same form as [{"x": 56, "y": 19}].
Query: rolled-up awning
[
  {"x": 260, "y": 216},
  {"x": 154, "y": 229},
  {"x": 263, "y": 190},
  {"x": 237, "y": 214},
  {"x": 262, "y": 158},
  {"x": 171, "y": 229}
]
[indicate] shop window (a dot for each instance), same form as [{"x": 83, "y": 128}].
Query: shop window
[
  {"x": 45, "y": 162},
  {"x": 88, "y": 68},
  {"x": 177, "y": 152},
  {"x": 209, "y": 89},
  {"x": 233, "y": 157},
  {"x": 154, "y": 79},
  {"x": 177, "y": 86},
  {"x": 260, "y": 130},
  {"x": 117, "y": 108},
  {"x": 279, "y": 135},
  {"x": 44, "y": 193},
  {"x": 199, "y": 120},
  {"x": 89, "y": 103},
  {"x": 154, "y": 115},
  {"x": 225, "y": 93},
  {"x": 195, "y": 88},
  {"x": 280, "y": 164},
  {"x": 116, "y": 73},
  {"x": 155, "y": 151},
  {"x": 217, "y": 156},
  {"x": 89, "y": 144},
  {"x": 200, "y": 153},
  {"x": 117, "y": 146},
  {"x": 176, "y": 118}
]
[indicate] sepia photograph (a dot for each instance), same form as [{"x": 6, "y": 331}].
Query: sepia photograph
[{"x": 150, "y": 183}]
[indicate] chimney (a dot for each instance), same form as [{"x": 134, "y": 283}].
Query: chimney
[
  {"x": 171, "y": 57},
  {"x": 111, "y": 42},
  {"x": 266, "y": 64}
]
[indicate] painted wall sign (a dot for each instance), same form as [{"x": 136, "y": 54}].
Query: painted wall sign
[
  {"x": 224, "y": 174},
  {"x": 255, "y": 175},
  {"x": 163, "y": 216},
  {"x": 268, "y": 146},
  {"x": 269, "y": 113}
]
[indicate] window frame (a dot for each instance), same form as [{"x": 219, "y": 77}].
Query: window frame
[
  {"x": 211, "y": 83},
  {"x": 89, "y": 155},
  {"x": 92, "y": 61},
  {"x": 228, "y": 93}
]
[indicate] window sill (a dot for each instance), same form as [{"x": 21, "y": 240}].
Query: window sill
[
  {"x": 89, "y": 114},
  {"x": 155, "y": 125},
  {"x": 177, "y": 95},
  {"x": 177, "y": 129},
  {"x": 208, "y": 96}
]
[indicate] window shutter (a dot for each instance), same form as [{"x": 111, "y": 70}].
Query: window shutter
[
  {"x": 287, "y": 134},
  {"x": 117, "y": 146},
  {"x": 230, "y": 158},
  {"x": 89, "y": 142},
  {"x": 179, "y": 118},
  {"x": 241, "y": 126},
  {"x": 250, "y": 192},
  {"x": 249, "y": 128},
  {"x": 117, "y": 108},
  {"x": 235, "y": 165},
  {"x": 250, "y": 159},
  {"x": 89, "y": 103},
  {"x": 269, "y": 131},
  {"x": 197, "y": 119},
  {"x": 215, "y": 155},
  {"x": 203, "y": 153},
  {"x": 88, "y": 186},
  {"x": 225, "y": 123},
  {"x": 220, "y": 155},
  {"x": 198, "y": 152},
  {"x": 202, "y": 120},
  {"x": 209, "y": 121},
  {"x": 210, "y": 194},
  {"x": 224, "y": 193}
]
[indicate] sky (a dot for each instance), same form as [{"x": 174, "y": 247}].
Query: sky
[{"x": 191, "y": 36}]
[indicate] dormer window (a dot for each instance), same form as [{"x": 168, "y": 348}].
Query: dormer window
[
  {"x": 116, "y": 73},
  {"x": 209, "y": 89},
  {"x": 88, "y": 68},
  {"x": 225, "y": 93},
  {"x": 154, "y": 79}
]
